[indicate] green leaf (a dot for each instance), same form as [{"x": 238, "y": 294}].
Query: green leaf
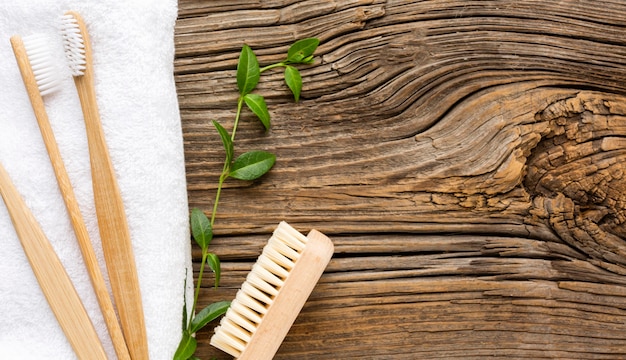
[
  {"x": 252, "y": 165},
  {"x": 294, "y": 81},
  {"x": 214, "y": 264},
  {"x": 226, "y": 140},
  {"x": 201, "y": 228},
  {"x": 302, "y": 49},
  {"x": 186, "y": 347},
  {"x": 257, "y": 104},
  {"x": 208, "y": 314},
  {"x": 248, "y": 71}
]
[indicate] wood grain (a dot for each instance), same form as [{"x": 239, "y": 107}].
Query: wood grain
[{"x": 465, "y": 157}]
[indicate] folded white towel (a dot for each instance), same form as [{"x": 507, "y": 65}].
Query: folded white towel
[{"x": 133, "y": 52}]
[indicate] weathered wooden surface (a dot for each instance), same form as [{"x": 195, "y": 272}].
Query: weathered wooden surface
[{"x": 466, "y": 157}]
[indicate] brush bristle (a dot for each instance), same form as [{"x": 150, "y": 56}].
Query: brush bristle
[
  {"x": 48, "y": 74},
  {"x": 73, "y": 44},
  {"x": 262, "y": 285}
]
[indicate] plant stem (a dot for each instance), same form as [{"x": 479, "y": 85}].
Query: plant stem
[
  {"x": 217, "y": 195},
  {"x": 223, "y": 176},
  {"x": 239, "y": 106},
  {"x": 279, "y": 64},
  {"x": 195, "y": 297},
  {"x": 205, "y": 251}
]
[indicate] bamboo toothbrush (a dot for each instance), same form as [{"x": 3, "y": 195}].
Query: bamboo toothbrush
[
  {"x": 273, "y": 294},
  {"x": 116, "y": 241},
  {"x": 51, "y": 275},
  {"x": 40, "y": 78}
]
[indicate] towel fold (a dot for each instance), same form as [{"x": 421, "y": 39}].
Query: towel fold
[{"x": 133, "y": 51}]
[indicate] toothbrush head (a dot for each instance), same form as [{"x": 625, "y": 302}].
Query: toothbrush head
[
  {"x": 48, "y": 73},
  {"x": 74, "y": 44}
]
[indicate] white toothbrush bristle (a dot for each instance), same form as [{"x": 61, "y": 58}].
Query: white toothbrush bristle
[
  {"x": 73, "y": 44},
  {"x": 251, "y": 316},
  {"x": 48, "y": 73},
  {"x": 258, "y": 292}
]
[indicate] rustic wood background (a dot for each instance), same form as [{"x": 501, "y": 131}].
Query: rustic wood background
[{"x": 466, "y": 157}]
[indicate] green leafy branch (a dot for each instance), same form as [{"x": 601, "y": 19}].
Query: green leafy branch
[{"x": 248, "y": 166}]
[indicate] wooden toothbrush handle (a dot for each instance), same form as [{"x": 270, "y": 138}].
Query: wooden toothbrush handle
[
  {"x": 51, "y": 275},
  {"x": 113, "y": 226},
  {"x": 80, "y": 229}
]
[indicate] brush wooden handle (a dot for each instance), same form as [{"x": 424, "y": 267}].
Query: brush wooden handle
[
  {"x": 80, "y": 229},
  {"x": 114, "y": 232},
  {"x": 291, "y": 298},
  {"x": 51, "y": 275}
]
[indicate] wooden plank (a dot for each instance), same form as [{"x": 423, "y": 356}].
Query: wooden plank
[
  {"x": 514, "y": 297},
  {"x": 466, "y": 157}
]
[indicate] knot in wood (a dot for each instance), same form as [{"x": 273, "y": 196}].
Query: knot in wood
[{"x": 577, "y": 170}]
